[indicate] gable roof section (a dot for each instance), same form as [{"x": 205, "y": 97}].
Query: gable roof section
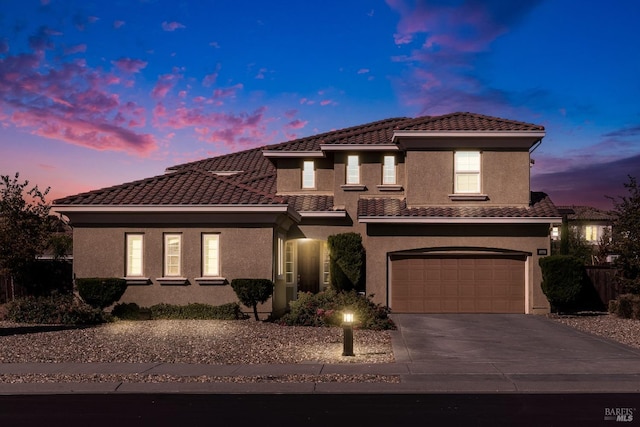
[
  {"x": 391, "y": 210},
  {"x": 464, "y": 122},
  {"x": 585, "y": 213},
  {"x": 184, "y": 187}
]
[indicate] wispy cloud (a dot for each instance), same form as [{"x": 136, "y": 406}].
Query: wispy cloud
[
  {"x": 69, "y": 102},
  {"x": 172, "y": 26},
  {"x": 118, "y": 24},
  {"x": 130, "y": 65},
  {"x": 445, "y": 42}
]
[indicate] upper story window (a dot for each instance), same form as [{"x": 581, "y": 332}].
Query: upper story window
[
  {"x": 308, "y": 174},
  {"x": 135, "y": 255},
  {"x": 353, "y": 170},
  {"x": 389, "y": 170},
  {"x": 467, "y": 172},
  {"x": 172, "y": 255},
  {"x": 211, "y": 255}
]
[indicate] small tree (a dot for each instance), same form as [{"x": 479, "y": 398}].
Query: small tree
[
  {"x": 626, "y": 237},
  {"x": 252, "y": 292},
  {"x": 24, "y": 224},
  {"x": 346, "y": 261}
]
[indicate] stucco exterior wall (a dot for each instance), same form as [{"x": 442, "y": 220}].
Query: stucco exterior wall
[
  {"x": 244, "y": 253},
  {"x": 289, "y": 175},
  {"x": 382, "y": 240},
  {"x": 504, "y": 178}
]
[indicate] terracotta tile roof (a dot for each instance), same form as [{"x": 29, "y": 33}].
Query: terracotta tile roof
[
  {"x": 310, "y": 202},
  {"x": 185, "y": 187},
  {"x": 540, "y": 207},
  {"x": 466, "y": 122},
  {"x": 585, "y": 213}
]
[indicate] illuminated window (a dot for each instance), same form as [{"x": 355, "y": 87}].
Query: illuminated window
[
  {"x": 211, "y": 255},
  {"x": 134, "y": 255},
  {"x": 353, "y": 170},
  {"x": 172, "y": 255},
  {"x": 389, "y": 170},
  {"x": 308, "y": 174},
  {"x": 288, "y": 262},
  {"x": 467, "y": 172},
  {"x": 325, "y": 264},
  {"x": 280, "y": 260},
  {"x": 591, "y": 233}
]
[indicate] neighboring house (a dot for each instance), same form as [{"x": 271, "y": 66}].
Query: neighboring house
[
  {"x": 588, "y": 222},
  {"x": 443, "y": 204}
]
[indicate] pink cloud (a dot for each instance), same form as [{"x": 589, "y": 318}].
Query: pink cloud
[
  {"x": 326, "y": 102},
  {"x": 233, "y": 130},
  {"x": 69, "y": 102},
  {"x": 130, "y": 65},
  {"x": 165, "y": 83},
  {"x": 75, "y": 49},
  {"x": 290, "y": 114},
  {"x": 172, "y": 26},
  {"x": 118, "y": 24},
  {"x": 363, "y": 71},
  {"x": 445, "y": 40},
  {"x": 296, "y": 124},
  {"x": 209, "y": 79},
  {"x": 228, "y": 92}
]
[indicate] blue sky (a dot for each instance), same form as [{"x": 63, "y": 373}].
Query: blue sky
[{"x": 97, "y": 93}]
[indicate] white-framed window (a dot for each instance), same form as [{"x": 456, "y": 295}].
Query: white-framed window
[
  {"x": 325, "y": 265},
  {"x": 172, "y": 255},
  {"x": 135, "y": 255},
  {"x": 467, "y": 172},
  {"x": 308, "y": 174},
  {"x": 389, "y": 170},
  {"x": 353, "y": 169},
  {"x": 288, "y": 262},
  {"x": 211, "y": 255},
  {"x": 280, "y": 260}
]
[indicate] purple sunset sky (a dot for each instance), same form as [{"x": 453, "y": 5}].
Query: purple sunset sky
[{"x": 94, "y": 94}]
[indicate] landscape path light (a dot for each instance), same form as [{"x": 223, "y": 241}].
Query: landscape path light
[{"x": 347, "y": 328}]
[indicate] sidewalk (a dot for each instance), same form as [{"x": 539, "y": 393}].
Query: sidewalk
[{"x": 419, "y": 377}]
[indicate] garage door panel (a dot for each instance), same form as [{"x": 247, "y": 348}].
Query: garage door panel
[{"x": 458, "y": 284}]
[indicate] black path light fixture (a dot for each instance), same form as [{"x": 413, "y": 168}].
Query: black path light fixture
[{"x": 347, "y": 328}]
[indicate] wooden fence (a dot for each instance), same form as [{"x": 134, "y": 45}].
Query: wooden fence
[
  {"x": 9, "y": 290},
  {"x": 602, "y": 278}
]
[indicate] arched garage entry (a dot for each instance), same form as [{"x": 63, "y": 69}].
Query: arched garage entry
[{"x": 458, "y": 280}]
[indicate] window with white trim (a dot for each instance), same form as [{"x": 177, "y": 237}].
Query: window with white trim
[
  {"x": 467, "y": 172},
  {"x": 135, "y": 257},
  {"x": 389, "y": 170},
  {"x": 308, "y": 174},
  {"x": 172, "y": 255},
  {"x": 353, "y": 169},
  {"x": 211, "y": 255},
  {"x": 288, "y": 262},
  {"x": 280, "y": 260}
]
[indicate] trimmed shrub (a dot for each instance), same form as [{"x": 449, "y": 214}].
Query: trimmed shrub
[
  {"x": 124, "y": 311},
  {"x": 54, "y": 309},
  {"x": 252, "y": 292},
  {"x": 566, "y": 284},
  {"x": 230, "y": 311},
  {"x": 346, "y": 261},
  {"x": 626, "y": 306},
  {"x": 101, "y": 292},
  {"x": 325, "y": 309}
]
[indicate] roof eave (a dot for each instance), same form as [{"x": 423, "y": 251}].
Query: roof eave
[
  {"x": 448, "y": 220},
  {"x": 359, "y": 147}
]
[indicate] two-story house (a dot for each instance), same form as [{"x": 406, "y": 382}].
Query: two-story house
[{"x": 442, "y": 203}]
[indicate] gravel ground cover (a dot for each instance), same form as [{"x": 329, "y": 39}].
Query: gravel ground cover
[
  {"x": 193, "y": 341},
  {"x": 625, "y": 331}
]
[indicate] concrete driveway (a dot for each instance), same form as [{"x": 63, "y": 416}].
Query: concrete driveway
[{"x": 524, "y": 352}]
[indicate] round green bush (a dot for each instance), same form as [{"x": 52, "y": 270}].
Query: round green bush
[{"x": 101, "y": 292}]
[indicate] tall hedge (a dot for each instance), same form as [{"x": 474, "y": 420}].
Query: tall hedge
[
  {"x": 346, "y": 261},
  {"x": 101, "y": 292},
  {"x": 252, "y": 292},
  {"x": 566, "y": 284}
]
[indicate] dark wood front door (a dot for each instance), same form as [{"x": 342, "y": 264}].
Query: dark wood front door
[{"x": 309, "y": 266}]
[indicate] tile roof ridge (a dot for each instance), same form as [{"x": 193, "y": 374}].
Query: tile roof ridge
[
  {"x": 195, "y": 162},
  {"x": 240, "y": 185},
  {"x": 124, "y": 185}
]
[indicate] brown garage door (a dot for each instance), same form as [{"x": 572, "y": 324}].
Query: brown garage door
[{"x": 457, "y": 284}]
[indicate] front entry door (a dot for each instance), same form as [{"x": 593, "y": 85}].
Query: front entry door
[{"x": 309, "y": 266}]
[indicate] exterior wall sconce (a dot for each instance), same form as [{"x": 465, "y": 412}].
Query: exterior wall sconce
[{"x": 347, "y": 328}]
